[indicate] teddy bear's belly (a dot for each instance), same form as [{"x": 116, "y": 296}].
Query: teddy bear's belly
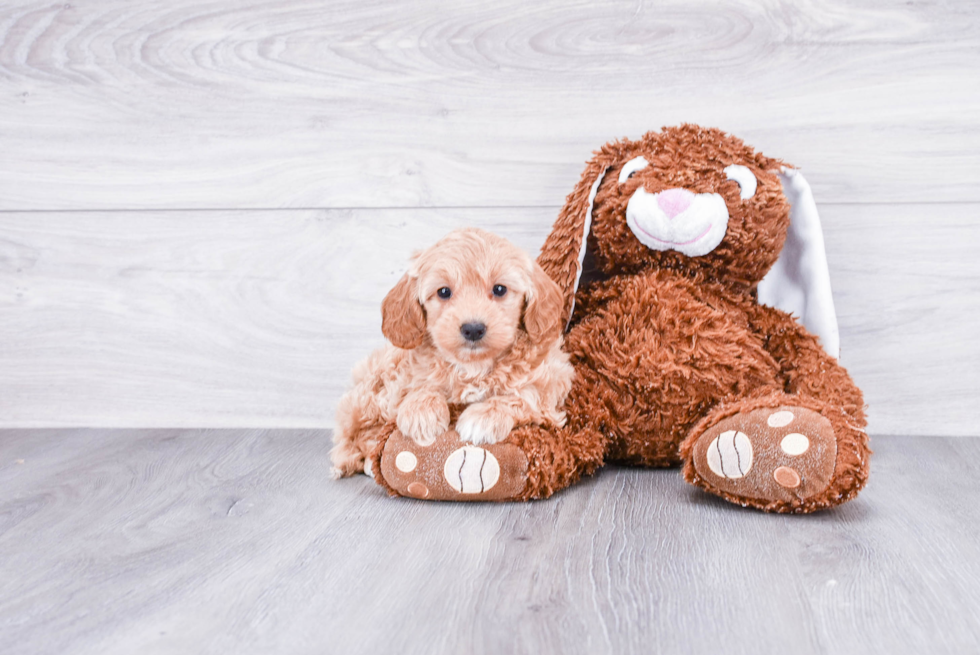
[{"x": 655, "y": 360}]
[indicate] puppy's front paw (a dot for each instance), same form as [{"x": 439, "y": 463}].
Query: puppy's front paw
[
  {"x": 423, "y": 418},
  {"x": 482, "y": 423},
  {"x": 346, "y": 460}
]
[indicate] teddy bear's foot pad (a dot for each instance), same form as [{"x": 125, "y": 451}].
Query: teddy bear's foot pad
[
  {"x": 451, "y": 469},
  {"x": 770, "y": 454}
]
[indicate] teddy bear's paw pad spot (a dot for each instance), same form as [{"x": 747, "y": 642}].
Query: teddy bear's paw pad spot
[
  {"x": 471, "y": 470},
  {"x": 418, "y": 490},
  {"x": 406, "y": 462},
  {"x": 730, "y": 455},
  {"x": 786, "y": 477},
  {"x": 781, "y": 454},
  {"x": 795, "y": 444},
  {"x": 451, "y": 469},
  {"x": 780, "y": 419}
]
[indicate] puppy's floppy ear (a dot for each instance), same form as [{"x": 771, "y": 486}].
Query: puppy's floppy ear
[
  {"x": 543, "y": 315},
  {"x": 402, "y": 318}
]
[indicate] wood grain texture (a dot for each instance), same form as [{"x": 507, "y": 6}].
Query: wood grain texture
[
  {"x": 124, "y": 105},
  {"x": 168, "y": 541},
  {"x": 906, "y": 281},
  {"x": 205, "y": 319},
  {"x": 231, "y": 318},
  {"x": 176, "y": 288}
]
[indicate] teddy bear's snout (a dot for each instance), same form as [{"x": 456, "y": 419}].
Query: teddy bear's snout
[
  {"x": 678, "y": 219},
  {"x": 674, "y": 201}
]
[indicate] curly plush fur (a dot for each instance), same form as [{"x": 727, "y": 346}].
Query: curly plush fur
[
  {"x": 511, "y": 373},
  {"x": 668, "y": 346}
]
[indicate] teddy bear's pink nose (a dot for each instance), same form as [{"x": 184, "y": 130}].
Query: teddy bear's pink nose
[{"x": 674, "y": 201}]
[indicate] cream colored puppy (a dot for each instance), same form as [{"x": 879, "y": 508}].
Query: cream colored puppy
[{"x": 475, "y": 321}]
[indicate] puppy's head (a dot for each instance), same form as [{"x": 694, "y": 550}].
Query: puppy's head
[{"x": 473, "y": 294}]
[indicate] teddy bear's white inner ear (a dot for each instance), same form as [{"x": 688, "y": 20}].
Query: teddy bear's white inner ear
[
  {"x": 799, "y": 281},
  {"x": 586, "y": 227},
  {"x": 630, "y": 167}
]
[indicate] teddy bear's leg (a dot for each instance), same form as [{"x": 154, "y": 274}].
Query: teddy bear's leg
[
  {"x": 557, "y": 458},
  {"x": 631, "y": 422},
  {"x": 532, "y": 462},
  {"x": 778, "y": 453}
]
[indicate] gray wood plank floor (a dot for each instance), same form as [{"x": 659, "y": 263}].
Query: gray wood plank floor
[{"x": 236, "y": 541}]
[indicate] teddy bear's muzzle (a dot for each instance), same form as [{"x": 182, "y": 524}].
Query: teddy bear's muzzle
[{"x": 677, "y": 219}]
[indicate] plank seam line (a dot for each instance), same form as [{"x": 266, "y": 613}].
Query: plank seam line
[{"x": 161, "y": 210}]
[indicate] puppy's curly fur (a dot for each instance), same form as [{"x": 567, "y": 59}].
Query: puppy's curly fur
[{"x": 476, "y": 322}]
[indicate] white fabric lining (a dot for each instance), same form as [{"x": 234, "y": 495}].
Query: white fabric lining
[
  {"x": 585, "y": 239},
  {"x": 799, "y": 281}
]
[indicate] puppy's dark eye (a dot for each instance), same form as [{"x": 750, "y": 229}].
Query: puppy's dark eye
[
  {"x": 445, "y": 293},
  {"x": 499, "y": 290},
  {"x": 631, "y": 175}
]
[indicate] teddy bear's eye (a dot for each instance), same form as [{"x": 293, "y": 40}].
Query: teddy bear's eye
[
  {"x": 745, "y": 179},
  {"x": 633, "y": 165}
]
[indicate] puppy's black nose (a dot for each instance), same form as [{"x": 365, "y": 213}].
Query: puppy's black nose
[{"x": 473, "y": 331}]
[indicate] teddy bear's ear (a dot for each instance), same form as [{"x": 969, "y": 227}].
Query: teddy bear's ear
[
  {"x": 799, "y": 281},
  {"x": 564, "y": 249}
]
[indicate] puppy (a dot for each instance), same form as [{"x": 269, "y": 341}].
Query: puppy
[{"x": 475, "y": 322}]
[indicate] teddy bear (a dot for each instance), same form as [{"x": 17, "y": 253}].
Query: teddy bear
[{"x": 662, "y": 252}]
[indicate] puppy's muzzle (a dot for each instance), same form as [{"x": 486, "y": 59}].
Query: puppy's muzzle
[{"x": 473, "y": 332}]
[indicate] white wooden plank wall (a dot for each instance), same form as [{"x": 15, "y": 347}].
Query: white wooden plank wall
[{"x": 202, "y": 204}]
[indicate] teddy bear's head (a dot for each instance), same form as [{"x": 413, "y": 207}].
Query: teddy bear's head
[{"x": 687, "y": 198}]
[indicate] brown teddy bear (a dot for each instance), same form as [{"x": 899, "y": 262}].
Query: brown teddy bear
[{"x": 660, "y": 251}]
